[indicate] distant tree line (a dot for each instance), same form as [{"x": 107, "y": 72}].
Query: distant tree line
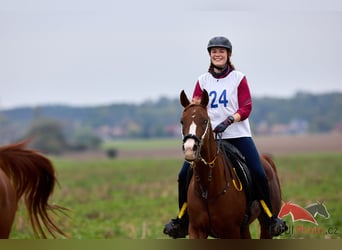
[{"x": 78, "y": 128}]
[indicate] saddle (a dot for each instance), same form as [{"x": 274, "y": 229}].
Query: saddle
[
  {"x": 238, "y": 164},
  {"x": 237, "y": 161}
]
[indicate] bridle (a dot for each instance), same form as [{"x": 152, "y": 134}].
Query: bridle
[
  {"x": 199, "y": 143},
  {"x": 209, "y": 163}
]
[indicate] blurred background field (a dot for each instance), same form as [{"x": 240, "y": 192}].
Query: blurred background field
[{"x": 134, "y": 194}]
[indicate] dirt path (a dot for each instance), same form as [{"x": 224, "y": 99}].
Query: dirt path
[
  {"x": 300, "y": 144},
  {"x": 275, "y": 145}
]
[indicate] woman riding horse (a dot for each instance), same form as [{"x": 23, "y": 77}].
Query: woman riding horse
[{"x": 230, "y": 104}]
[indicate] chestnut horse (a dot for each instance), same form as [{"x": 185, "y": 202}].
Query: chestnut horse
[
  {"x": 27, "y": 174},
  {"x": 216, "y": 201}
]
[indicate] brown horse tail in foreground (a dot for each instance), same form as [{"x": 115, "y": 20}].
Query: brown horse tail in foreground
[{"x": 27, "y": 174}]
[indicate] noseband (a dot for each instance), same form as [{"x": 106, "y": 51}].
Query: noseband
[{"x": 192, "y": 136}]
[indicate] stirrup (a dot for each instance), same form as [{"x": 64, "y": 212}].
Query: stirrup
[
  {"x": 277, "y": 226},
  {"x": 176, "y": 228}
]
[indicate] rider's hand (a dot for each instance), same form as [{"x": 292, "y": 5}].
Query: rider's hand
[{"x": 223, "y": 125}]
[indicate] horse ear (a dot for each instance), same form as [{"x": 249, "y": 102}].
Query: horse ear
[
  {"x": 205, "y": 98},
  {"x": 184, "y": 99}
]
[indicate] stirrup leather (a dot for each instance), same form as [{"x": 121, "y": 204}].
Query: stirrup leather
[
  {"x": 182, "y": 210},
  {"x": 266, "y": 209}
]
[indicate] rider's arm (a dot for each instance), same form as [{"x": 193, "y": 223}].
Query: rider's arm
[{"x": 245, "y": 101}]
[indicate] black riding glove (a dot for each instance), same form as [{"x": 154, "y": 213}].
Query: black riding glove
[{"x": 223, "y": 125}]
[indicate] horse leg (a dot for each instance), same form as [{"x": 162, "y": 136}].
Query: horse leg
[
  {"x": 234, "y": 231},
  {"x": 246, "y": 234},
  {"x": 8, "y": 205},
  {"x": 197, "y": 233},
  {"x": 264, "y": 228},
  {"x": 7, "y": 219}
]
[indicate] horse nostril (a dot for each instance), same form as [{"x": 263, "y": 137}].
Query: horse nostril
[{"x": 195, "y": 147}]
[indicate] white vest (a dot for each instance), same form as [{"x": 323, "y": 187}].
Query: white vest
[{"x": 223, "y": 101}]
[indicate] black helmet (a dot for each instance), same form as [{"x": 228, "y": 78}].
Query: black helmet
[{"x": 219, "y": 41}]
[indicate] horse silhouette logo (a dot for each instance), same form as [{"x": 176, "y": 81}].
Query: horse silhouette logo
[
  {"x": 307, "y": 214},
  {"x": 318, "y": 208}
]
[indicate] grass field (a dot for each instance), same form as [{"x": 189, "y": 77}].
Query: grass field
[{"x": 132, "y": 198}]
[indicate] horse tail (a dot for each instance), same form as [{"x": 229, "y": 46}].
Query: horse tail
[{"x": 34, "y": 179}]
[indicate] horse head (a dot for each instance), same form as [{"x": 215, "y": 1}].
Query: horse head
[{"x": 195, "y": 125}]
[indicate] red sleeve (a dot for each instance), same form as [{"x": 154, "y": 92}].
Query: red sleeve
[
  {"x": 244, "y": 99},
  {"x": 197, "y": 91}
]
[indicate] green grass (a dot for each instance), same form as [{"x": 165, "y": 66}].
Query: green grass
[
  {"x": 312, "y": 178},
  {"x": 139, "y": 144},
  {"x": 133, "y": 199}
]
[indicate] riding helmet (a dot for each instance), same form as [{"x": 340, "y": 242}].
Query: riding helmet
[{"x": 219, "y": 41}]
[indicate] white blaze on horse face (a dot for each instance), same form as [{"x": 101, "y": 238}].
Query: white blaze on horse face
[
  {"x": 192, "y": 129},
  {"x": 190, "y": 143}
]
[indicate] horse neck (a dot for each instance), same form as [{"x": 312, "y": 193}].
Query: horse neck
[
  {"x": 209, "y": 148},
  {"x": 211, "y": 163}
]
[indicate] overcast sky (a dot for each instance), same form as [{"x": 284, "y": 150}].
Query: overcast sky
[{"x": 83, "y": 52}]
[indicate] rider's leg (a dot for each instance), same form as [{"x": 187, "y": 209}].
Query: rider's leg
[
  {"x": 184, "y": 177},
  {"x": 178, "y": 227},
  {"x": 247, "y": 147},
  {"x": 183, "y": 184}
]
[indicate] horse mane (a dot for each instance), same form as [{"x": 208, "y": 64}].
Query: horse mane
[{"x": 33, "y": 177}]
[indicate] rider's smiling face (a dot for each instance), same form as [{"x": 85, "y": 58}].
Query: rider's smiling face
[{"x": 219, "y": 56}]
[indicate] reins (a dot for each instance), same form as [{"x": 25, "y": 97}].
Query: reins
[
  {"x": 228, "y": 162},
  {"x": 211, "y": 165}
]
